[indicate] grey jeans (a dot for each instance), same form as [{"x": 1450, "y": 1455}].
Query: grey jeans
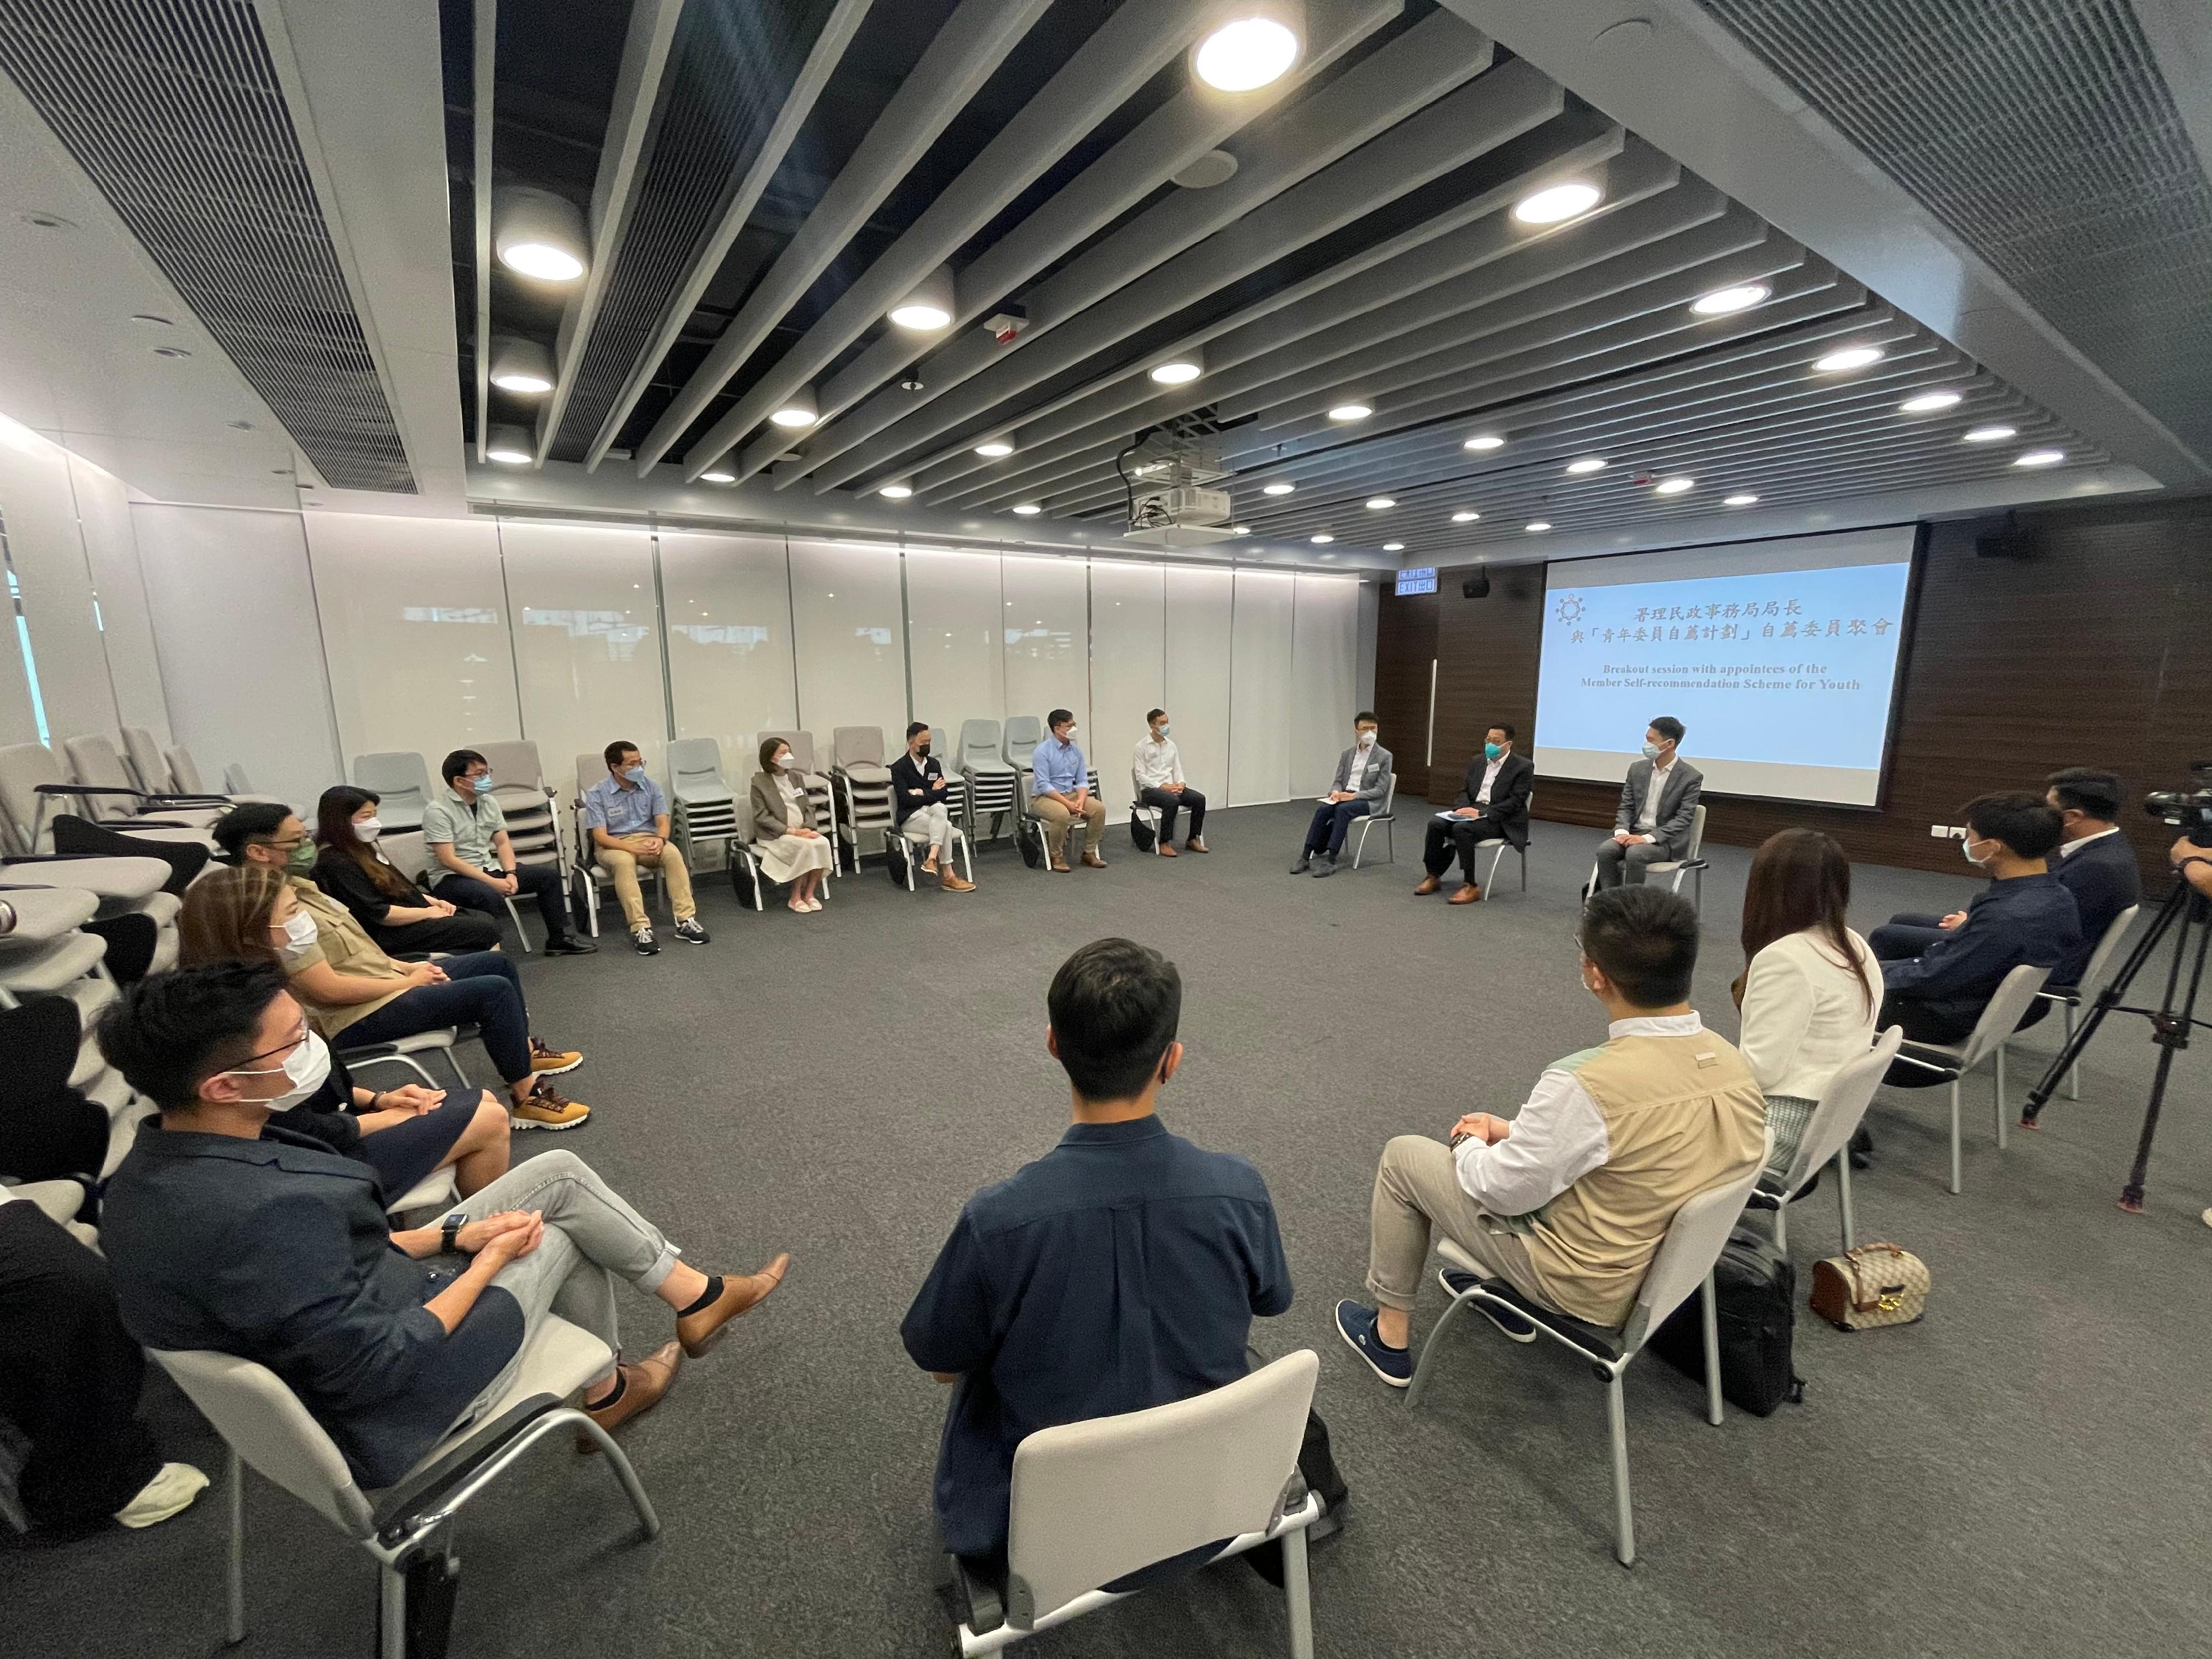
[
  {"x": 1612, "y": 857},
  {"x": 592, "y": 1237},
  {"x": 1417, "y": 1193}
]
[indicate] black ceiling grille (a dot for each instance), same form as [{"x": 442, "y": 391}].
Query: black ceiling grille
[
  {"x": 174, "y": 110},
  {"x": 2041, "y": 132},
  {"x": 730, "y": 69}
]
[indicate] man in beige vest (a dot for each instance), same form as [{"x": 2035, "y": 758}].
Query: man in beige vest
[{"x": 1568, "y": 1201}]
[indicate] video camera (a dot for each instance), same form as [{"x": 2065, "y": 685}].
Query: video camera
[{"x": 2189, "y": 810}]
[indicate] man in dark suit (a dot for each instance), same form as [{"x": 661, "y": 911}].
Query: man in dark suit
[
  {"x": 1492, "y": 806},
  {"x": 2095, "y": 862},
  {"x": 1658, "y": 805}
]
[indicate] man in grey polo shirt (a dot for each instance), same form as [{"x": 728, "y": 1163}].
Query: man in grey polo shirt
[
  {"x": 467, "y": 834},
  {"x": 626, "y": 815}
]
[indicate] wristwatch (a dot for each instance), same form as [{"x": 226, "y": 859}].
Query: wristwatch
[{"x": 449, "y": 1231}]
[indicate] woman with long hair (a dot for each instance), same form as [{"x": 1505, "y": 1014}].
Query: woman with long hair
[
  {"x": 790, "y": 848},
  {"x": 391, "y": 908},
  {"x": 1810, "y": 985}
]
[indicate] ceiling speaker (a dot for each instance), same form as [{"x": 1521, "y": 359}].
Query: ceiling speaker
[
  {"x": 2006, "y": 538},
  {"x": 1476, "y": 587}
]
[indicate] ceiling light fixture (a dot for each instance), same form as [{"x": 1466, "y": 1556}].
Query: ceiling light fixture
[
  {"x": 1537, "y": 527},
  {"x": 1484, "y": 441},
  {"x": 510, "y": 446},
  {"x": 538, "y": 235},
  {"x": 1027, "y": 510},
  {"x": 521, "y": 366},
  {"x": 1674, "y": 486},
  {"x": 1742, "y": 499},
  {"x": 1722, "y": 301},
  {"x": 1354, "y": 410},
  {"x": 1587, "y": 464},
  {"x": 1277, "y": 488},
  {"x": 994, "y": 449},
  {"x": 1381, "y": 503},
  {"x": 1850, "y": 357},
  {"x": 928, "y": 306},
  {"x": 1180, "y": 369},
  {"x": 1394, "y": 547},
  {"x": 896, "y": 492},
  {"x": 1323, "y": 540},
  {"x": 798, "y": 410},
  {"x": 1253, "y": 46},
  {"x": 2040, "y": 458},
  {"x": 1465, "y": 516},
  {"x": 719, "y": 475},
  {"x": 1991, "y": 435},
  {"x": 171, "y": 351},
  {"x": 1928, "y": 402},
  {"x": 1555, "y": 203},
  {"x": 1240, "y": 529}
]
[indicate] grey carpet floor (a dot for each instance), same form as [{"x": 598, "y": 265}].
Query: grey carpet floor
[{"x": 2023, "y": 1473}]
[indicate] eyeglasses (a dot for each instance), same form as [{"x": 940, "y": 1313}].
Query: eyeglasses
[{"x": 283, "y": 1048}]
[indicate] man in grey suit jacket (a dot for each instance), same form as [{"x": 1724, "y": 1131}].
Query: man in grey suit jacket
[
  {"x": 1363, "y": 774},
  {"x": 1658, "y": 803}
]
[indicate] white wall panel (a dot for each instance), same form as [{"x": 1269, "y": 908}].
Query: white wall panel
[
  {"x": 954, "y": 633},
  {"x": 1046, "y": 604},
  {"x": 1198, "y": 605},
  {"x": 586, "y": 642},
  {"x": 1324, "y": 674},
  {"x": 728, "y": 604},
  {"x": 47, "y": 552},
  {"x": 1128, "y": 669},
  {"x": 103, "y": 511},
  {"x": 415, "y": 630},
  {"x": 233, "y": 611},
  {"x": 1260, "y": 688},
  {"x": 851, "y": 639}
]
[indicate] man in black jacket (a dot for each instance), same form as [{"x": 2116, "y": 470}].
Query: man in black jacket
[
  {"x": 2095, "y": 862},
  {"x": 921, "y": 808},
  {"x": 1492, "y": 806}
]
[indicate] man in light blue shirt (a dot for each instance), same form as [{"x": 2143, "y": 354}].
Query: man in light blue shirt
[
  {"x": 626, "y": 816},
  {"x": 1060, "y": 793}
]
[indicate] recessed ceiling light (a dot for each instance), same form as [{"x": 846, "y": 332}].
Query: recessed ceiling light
[
  {"x": 1322, "y": 540},
  {"x": 1722, "y": 301},
  {"x": 1927, "y": 403},
  {"x": 1277, "y": 488},
  {"x": 1394, "y": 547},
  {"x": 994, "y": 448},
  {"x": 1991, "y": 435},
  {"x": 1557, "y": 202},
  {"x": 2040, "y": 458},
  {"x": 1537, "y": 526},
  {"x": 798, "y": 410},
  {"x": 1674, "y": 486},
  {"x": 510, "y": 446},
  {"x": 1381, "y": 503},
  {"x": 718, "y": 475},
  {"x": 1465, "y": 517},
  {"x": 1850, "y": 357},
  {"x": 1178, "y": 371},
  {"x": 171, "y": 351},
  {"x": 1029, "y": 510},
  {"x": 929, "y": 305},
  {"x": 539, "y": 234},
  {"x": 1249, "y": 52},
  {"x": 149, "y": 317},
  {"x": 520, "y": 365},
  {"x": 1240, "y": 529},
  {"x": 896, "y": 492},
  {"x": 1484, "y": 441},
  {"x": 1587, "y": 464},
  {"x": 1743, "y": 500},
  {"x": 1351, "y": 411}
]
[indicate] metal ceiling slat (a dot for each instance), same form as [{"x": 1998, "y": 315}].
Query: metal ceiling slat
[{"x": 484, "y": 82}]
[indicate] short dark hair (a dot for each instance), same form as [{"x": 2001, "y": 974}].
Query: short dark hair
[
  {"x": 1367, "y": 715},
  {"x": 615, "y": 750},
  {"x": 2025, "y": 822},
  {"x": 769, "y": 744},
  {"x": 1114, "y": 1005},
  {"x": 1500, "y": 725},
  {"x": 253, "y": 820},
  {"x": 914, "y": 726},
  {"x": 1668, "y": 727},
  {"x": 1152, "y": 714},
  {"x": 2087, "y": 790},
  {"x": 169, "y": 1033},
  {"x": 458, "y": 762},
  {"x": 1645, "y": 939},
  {"x": 1057, "y": 716}
]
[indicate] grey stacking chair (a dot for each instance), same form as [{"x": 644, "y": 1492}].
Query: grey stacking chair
[
  {"x": 1388, "y": 817},
  {"x": 146, "y": 762},
  {"x": 704, "y": 810},
  {"x": 2072, "y": 998},
  {"x": 590, "y": 769},
  {"x": 401, "y": 783},
  {"x": 34, "y": 787},
  {"x": 863, "y": 785},
  {"x": 527, "y": 801},
  {"x": 118, "y": 797},
  {"x": 1692, "y": 864},
  {"x": 264, "y": 1424},
  {"x": 1095, "y": 1501},
  {"x": 1951, "y": 1062},
  {"x": 1683, "y": 1265},
  {"x": 1827, "y": 1138},
  {"x": 1024, "y": 733},
  {"x": 992, "y": 785}
]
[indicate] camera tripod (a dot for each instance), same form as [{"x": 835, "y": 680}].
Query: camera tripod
[{"x": 2186, "y": 912}]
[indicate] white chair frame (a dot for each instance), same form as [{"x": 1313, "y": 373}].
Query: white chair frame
[
  {"x": 1827, "y": 1138},
  {"x": 1953, "y": 1061},
  {"x": 1388, "y": 817},
  {"x": 1692, "y": 864}
]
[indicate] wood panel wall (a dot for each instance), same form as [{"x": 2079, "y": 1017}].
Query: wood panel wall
[{"x": 2094, "y": 650}]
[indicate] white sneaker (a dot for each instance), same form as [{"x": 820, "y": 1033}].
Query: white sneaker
[{"x": 168, "y": 1493}]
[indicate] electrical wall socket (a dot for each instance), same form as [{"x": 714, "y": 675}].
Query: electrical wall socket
[{"x": 1947, "y": 831}]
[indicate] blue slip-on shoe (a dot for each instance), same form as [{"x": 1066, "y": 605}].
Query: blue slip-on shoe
[
  {"x": 1356, "y": 1325},
  {"x": 1511, "y": 1325}
]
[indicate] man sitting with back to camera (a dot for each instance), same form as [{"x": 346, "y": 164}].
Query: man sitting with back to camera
[
  {"x": 1492, "y": 806},
  {"x": 1120, "y": 1271},
  {"x": 1568, "y": 1201}
]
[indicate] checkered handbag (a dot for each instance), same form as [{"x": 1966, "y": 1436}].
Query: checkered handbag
[{"x": 1873, "y": 1285}]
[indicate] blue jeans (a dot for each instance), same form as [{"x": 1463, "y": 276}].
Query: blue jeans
[
  {"x": 1331, "y": 820},
  {"x": 482, "y": 990}
]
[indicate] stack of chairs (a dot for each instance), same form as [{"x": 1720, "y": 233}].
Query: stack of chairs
[
  {"x": 864, "y": 786},
  {"x": 35, "y": 789},
  {"x": 992, "y": 786},
  {"x": 115, "y": 794},
  {"x": 158, "y": 774},
  {"x": 820, "y": 795},
  {"x": 702, "y": 810},
  {"x": 524, "y": 796}
]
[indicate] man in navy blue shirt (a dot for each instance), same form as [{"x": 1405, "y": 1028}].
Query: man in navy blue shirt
[
  {"x": 1937, "y": 988},
  {"x": 2095, "y": 862},
  {"x": 1120, "y": 1271}
]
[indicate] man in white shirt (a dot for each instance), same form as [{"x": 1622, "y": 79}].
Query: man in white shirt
[
  {"x": 1158, "y": 774},
  {"x": 1658, "y": 805},
  {"x": 1568, "y": 1201}
]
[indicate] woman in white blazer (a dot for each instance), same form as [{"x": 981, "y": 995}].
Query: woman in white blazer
[{"x": 1810, "y": 985}]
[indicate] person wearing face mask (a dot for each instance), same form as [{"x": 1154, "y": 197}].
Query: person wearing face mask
[
  {"x": 921, "y": 809},
  {"x": 626, "y": 817},
  {"x": 1937, "y": 981},
  {"x": 1492, "y": 806},
  {"x": 785, "y": 841},
  {"x": 391, "y": 908},
  {"x": 1363, "y": 778},
  {"x": 1060, "y": 793},
  {"x": 466, "y": 829},
  {"x": 226, "y": 1232},
  {"x": 1568, "y": 1199},
  {"x": 1158, "y": 773},
  {"x": 1658, "y": 804}
]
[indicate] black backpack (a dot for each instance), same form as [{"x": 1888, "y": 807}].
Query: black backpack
[
  {"x": 1757, "y": 1287},
  {"x": 1141, "y": 832}
]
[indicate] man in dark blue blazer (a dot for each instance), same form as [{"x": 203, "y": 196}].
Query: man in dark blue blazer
[{"x": 2094, "y": 862}]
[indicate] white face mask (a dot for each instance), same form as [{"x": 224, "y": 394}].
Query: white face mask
[
  {"x": 367, "y": 829},
  {"x": 1966, "y": 846},
  {"x": 1367, "y": 739},
  {"x": 307, "y": 1066},
  {"x": 788, "y": 762},
  {"x": 482, "y": 785},
  {"x": 300, "y": 932},
  {"x": 1651, "y": 751}
]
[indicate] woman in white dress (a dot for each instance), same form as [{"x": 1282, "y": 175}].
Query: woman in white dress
[
  {"x": 790, "y": 848},
  {"x": 1810, "y": 988}
]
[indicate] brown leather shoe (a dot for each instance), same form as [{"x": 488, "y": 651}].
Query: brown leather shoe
[
  {"x": 1092, "y": 862},
  {"x": 1429, "y": 884},
  {"x": 953, "y": 883},
  {"x": 1195, "y": 845},
  {"x": 1059, "y": 863},
  {"x": 700, "y": 1331},
  {"x": 1468, "y": 894},
  {"x": 643, "y": 1384},
  {"x": 1167, "y": 852}
]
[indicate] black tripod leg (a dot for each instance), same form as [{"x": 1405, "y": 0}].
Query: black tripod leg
[
  {"x": 2176, "y": 906},
  {"x": 2172, "y": 1028}
]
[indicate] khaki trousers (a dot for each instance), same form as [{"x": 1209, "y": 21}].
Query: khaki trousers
[
  {"x": 1058, "y": 820},
  {"x": 669, "y": 861},
  {"x": 1417, "y": 1193}
]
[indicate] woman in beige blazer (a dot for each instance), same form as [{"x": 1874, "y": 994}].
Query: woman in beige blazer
[{"x": 785, "y": 841}]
